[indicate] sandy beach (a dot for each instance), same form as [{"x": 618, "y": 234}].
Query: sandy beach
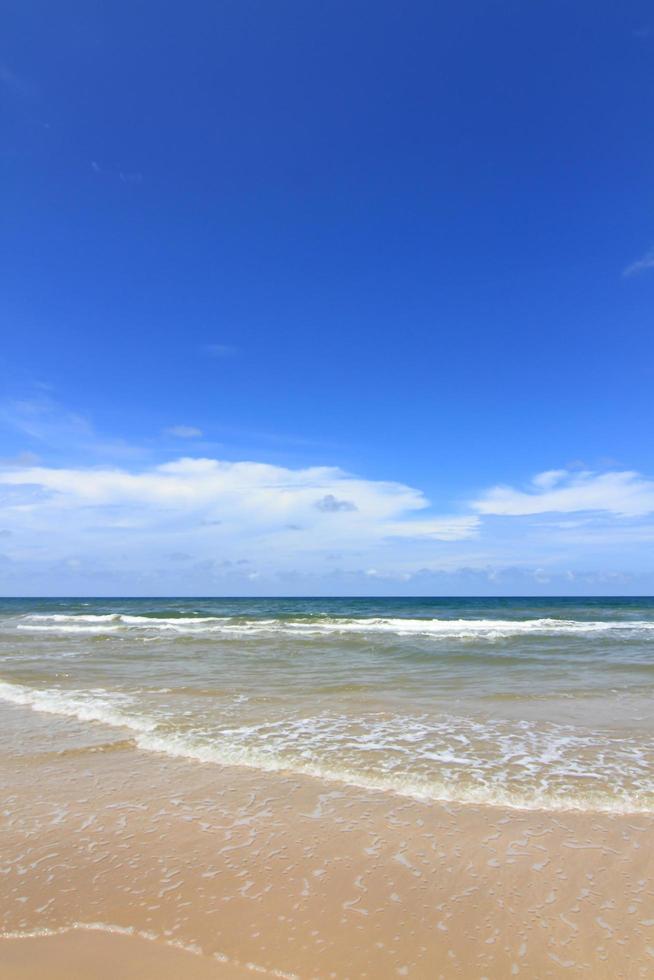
[
  {"x": 311, "y": 791},
  {"x": 80, "y": 955},
  {"x": 326, "y": 490},
  {"x": 257, "y": 874}
]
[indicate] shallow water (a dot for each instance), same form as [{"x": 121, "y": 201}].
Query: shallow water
[{"x": 527, "y": 703}]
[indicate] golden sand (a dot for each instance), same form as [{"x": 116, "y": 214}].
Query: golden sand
[
  {"x": 98, "y": 956},
  {"x": 262, "y": 874}
]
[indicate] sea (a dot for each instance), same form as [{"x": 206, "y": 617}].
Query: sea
[{"x": 533, "y": 704}]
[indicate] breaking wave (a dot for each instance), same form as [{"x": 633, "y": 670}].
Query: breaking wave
[
  {"x": 450, "y": 629},
  {"x": 450, "y": 759}
]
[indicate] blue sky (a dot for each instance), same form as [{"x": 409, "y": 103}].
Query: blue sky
[{"x": 290, "y": 289}]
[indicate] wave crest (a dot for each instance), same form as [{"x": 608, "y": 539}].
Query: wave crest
[{"x": 226, "y": 626}]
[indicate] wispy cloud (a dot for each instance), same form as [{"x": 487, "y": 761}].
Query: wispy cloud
[
  {"x": 124, "y": 176},
  {"x": 130, "y": 177},
  {"x": 42, "y": 419},
  {"x": 621, "y": 493},
  {"x": 183, "y": 431},
  {"x": 454, "y": 528},
  {"x": 50, "y": 425},
  {"x": 14, "y": 82},
  {"x": 643, "y": 264}
]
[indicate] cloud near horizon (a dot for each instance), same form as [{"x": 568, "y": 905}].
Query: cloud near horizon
[
  {"x": 240, "y": 522},
  {"x": 620, "y": 493},
  {"x": 211, "y": 508}
]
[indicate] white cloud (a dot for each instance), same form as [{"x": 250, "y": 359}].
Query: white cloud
[
  {"x": 454, "y": 528},
  {"x": 204, "y": 524},
  {"x": 640, "y": 265},
  {"x": 183, "y": 431},
  {"x": 548, "y": 478},
  {"x": 621, "y": 493},
  {"x": 216, "y": 509}
]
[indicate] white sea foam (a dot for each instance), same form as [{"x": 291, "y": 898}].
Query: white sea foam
[
  {"x": 452, "y": 629},
  {"x": 453, "y": 759},
  {"x": 70, "y": 629},
  {"x": 118, "y": 618},
  {"x": 94, "y": 705}
]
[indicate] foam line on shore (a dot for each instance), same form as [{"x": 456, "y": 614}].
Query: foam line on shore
[
  {"x": 447, "y": 749},
  {"x": 130, "y": 931}
]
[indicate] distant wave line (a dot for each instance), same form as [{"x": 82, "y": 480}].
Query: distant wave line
[{"x": 489, "y": 629}]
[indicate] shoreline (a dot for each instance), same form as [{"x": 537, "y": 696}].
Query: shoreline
[
  {"x": 304, "y": 879},
  {"x": 84, "y": 954},
  {"x": 188, "y": 792}
]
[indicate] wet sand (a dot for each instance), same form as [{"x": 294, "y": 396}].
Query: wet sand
[
  {"x": 97, "y": 956},
  {"x": 264, "y": 874}
]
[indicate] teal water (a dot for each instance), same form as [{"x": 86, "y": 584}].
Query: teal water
[{"x": 536, "y": 703}]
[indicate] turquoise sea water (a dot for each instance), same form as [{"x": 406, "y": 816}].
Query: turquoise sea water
[{"x": 537, "y": 703}]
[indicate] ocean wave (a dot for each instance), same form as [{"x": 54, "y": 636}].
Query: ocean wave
[
  {"x": 226, "y": 626},
  {"x": 451, "y": 759},
  {"x": 71, "y": 629},
  {"x": 96, "y": 705},
  {"x": 119, "y": 618}
]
